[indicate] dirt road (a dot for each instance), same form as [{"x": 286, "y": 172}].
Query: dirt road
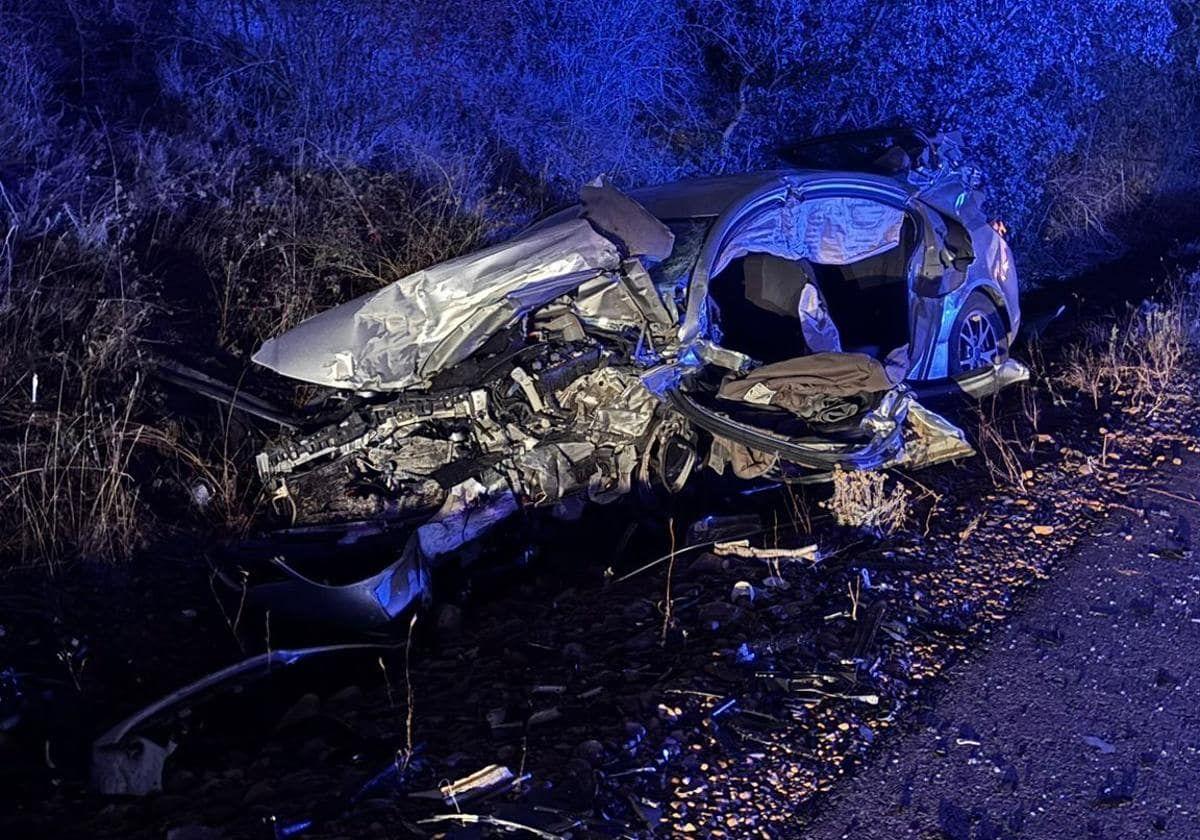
[{"x": 1080, "y": 719}]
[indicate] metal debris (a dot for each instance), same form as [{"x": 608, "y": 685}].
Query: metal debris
[
  {"x": 487, "y": 780},
  {"x": 126, "y": 763}
]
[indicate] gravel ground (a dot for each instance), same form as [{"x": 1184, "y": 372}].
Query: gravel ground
[
  {"x": 1008, "y": 665},
  {"x": 1079, "y": 720}
]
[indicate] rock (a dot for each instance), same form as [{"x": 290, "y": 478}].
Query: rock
[
  {"x": 179, "y": 781},
  {"x": 170, "y": 804},
  {"x": 259, "y": 792},
  {"x": 1100, "y": 744},
  {"x": 742, "y": 592},
  {"x": 1009, "y": 778},
  {"x": 954, "y": 821},
  {"x": 1043, "y": 530},
  {"x": 349, "y": 695},
  {"x": 308, "y": 706},
  {"x": 579, "y": 783},
  {"x": 716, "y": 613},
  {"x": 449, "y": 620},
  {"x": 194, "y": 831},
  {"x": 1118, "y": 788},
  {"x": 635, "y": 733},
  {"x": 707, "y": 563},
  {"x": 1165, "y": 679},
  {"x": 592, "y": 752},
  {"x": 544, "y": 716},
  {"x": 131, "y": 768}
]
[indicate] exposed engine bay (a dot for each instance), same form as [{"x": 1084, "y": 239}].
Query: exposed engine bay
[{"x": 542, "y": 423}]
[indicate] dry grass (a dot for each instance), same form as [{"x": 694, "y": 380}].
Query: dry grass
[
  {"x": 1000, "y": 453},
  {"x": 68, "y": 433},
  {"x": 78, "y": 482},
  {"x": 863, "y": 499},
  {"x": 72, "y": 491},
  {"x": 298, "y": 242},
  {"x": 1140, "y": 356},
  {"x": 84, "y": 456}
]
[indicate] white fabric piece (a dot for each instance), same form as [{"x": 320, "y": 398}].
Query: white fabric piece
[
  {"x": 896, "y": 364},
  {"x": 430, "y": 320},
  {"x": 759, "y": 394},
  {"x": 820, "y": 333}
]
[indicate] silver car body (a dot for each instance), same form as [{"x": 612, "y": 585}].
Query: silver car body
[{"x": 610, "y": 344}]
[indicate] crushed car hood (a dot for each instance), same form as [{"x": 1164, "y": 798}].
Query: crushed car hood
[
  {"x": 400, "y": 335},
  {"x": 407, "y": 332}
]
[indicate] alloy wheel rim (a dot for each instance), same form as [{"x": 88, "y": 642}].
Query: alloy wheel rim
[{"x": 978, "y": 344}]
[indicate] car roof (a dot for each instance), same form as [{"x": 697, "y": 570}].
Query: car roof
[
  {"x": 696, "y": 198},
  {"x": 708, "y": 197}
]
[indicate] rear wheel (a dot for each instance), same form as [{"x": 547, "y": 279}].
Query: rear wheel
[{"x": 978, "y": 339}]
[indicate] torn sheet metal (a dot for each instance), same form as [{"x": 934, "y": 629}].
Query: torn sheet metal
[
  {"x": 610, "y": 403},
  {"x": 930, "y": 439},
  {"x": 987, "y": 382},
  {"x": 622, "y": 219},
  {"x": 423, "y": 323},
  {"x": 129, "y": 764},
  {"x": 553, "y": 472},
  {"x": 471, "y": 509},
  {"x": 994, "y": 261},
  {"x": 371, "y": 602},
  {"x": 743, "y": 461}
]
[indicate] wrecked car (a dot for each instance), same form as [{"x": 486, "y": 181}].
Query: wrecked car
[{"x": 773, "y": 325}]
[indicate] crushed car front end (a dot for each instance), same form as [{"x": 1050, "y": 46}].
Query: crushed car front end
[{"x": 587, "y": 357}]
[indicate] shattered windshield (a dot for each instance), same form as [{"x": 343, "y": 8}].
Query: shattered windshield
[{"x": 670, "y": 276}]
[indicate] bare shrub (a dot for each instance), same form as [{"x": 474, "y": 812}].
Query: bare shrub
[
  {"x": 66, "y": 486},
  {"x": 862, "y": 499},
  {"x": 1121, "y": 185},
  {"x": 79, "y": 445},
  {"x": 999, "y": 453},
  {"x": 302, "y": 241},
  {"x": 1140, "y": 355}
]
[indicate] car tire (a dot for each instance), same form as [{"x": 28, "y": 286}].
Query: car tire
[{"x": 978, "y": 338}]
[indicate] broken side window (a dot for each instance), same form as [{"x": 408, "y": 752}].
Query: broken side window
[{"x": 671, "y": 275}]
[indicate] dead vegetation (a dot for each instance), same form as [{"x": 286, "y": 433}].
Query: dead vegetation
[
  {"x": 999, "y": 443},
  {"x": 69, "y": 427},
  {"x": 301, "y": 241},
  {"x": 85, "y": 459},
  {"x": 1139, "y": 356},
  {"x": 865, "y": 500}
]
